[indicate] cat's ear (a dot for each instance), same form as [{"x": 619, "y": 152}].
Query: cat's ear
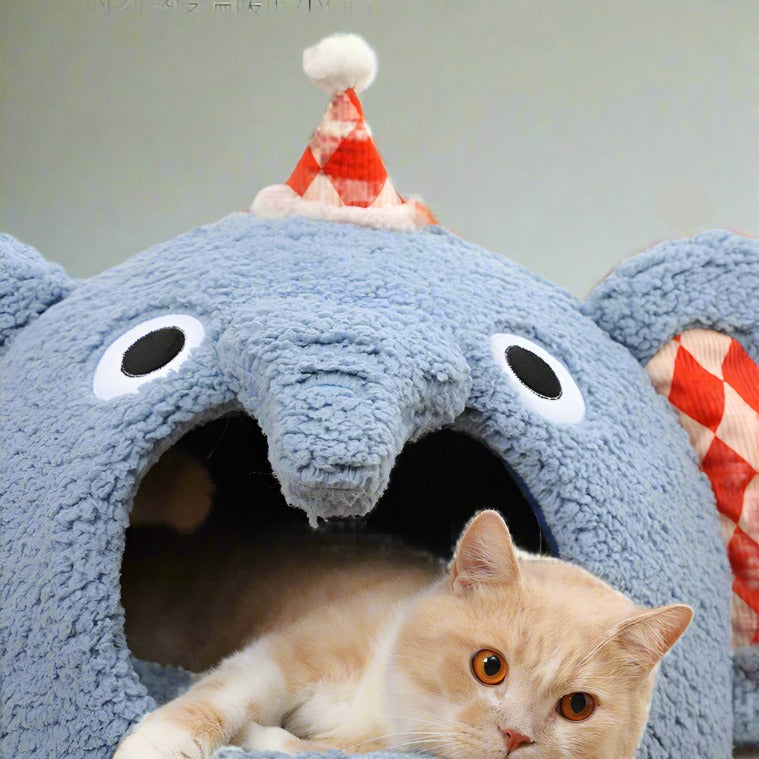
[
  {"x": 484, "y": 554},
  {"x": 648, "y": 635}
]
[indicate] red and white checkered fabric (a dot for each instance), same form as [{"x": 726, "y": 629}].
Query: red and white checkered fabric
[
  {"x": 341, "y": 164},
  {"x": 714, "y": 384},
  {"x": 341, "y": 177}
]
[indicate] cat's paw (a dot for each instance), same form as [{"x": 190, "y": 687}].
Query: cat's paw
[
  {"x": 260, "y": 738},
  {"x": 159, "y": 740}
]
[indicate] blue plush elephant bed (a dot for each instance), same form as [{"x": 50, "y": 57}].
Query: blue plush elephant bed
[{"x": 346, "y": 347}]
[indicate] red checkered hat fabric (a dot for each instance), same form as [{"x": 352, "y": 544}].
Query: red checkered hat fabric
[
  {"x": 341, "y": 164},
  {"x": 714, "y": 384},
  {"x": 340, "y": 176}
]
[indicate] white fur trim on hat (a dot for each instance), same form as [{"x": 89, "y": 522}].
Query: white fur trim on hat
[
  {"x": 339, "y": 62},
  {"x": 281, "y": 201}
]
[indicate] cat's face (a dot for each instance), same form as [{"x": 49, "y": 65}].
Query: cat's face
[{"x": 529, "y": 655}]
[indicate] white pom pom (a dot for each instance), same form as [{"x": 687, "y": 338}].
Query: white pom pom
[{"x": 341, "y": 61}]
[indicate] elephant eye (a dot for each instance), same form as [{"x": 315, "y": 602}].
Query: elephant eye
[
  {"x": 534, "y": 372},
  {"x": 150, "y": 350},
  {"x": 542, "y": 381}
]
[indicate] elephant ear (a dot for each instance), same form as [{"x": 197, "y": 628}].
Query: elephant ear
[
  {"x": 688, "y": 310},
  {"x": 29, "y": 285},
  {"x": 708, "y": 281}
]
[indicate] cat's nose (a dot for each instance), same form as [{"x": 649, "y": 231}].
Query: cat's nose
[{"x": 514, "y": 739}]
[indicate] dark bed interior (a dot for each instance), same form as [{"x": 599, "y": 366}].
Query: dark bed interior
[{"x": 436, "y": 485}]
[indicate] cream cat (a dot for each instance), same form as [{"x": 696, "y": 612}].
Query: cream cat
[{"x": 503, "y": 652}]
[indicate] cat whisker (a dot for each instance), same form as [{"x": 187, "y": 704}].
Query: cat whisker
[
  {"x": 393, "y": 735},
  {"x": 437, "y": 717}
]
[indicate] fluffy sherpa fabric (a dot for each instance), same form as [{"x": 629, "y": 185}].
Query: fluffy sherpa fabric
[
  {"x": 29, "y": 285},
  {"x": 345, "y": 343},
  {"x": 746, "y": 695},
  {"x": 707, "y": 281}
]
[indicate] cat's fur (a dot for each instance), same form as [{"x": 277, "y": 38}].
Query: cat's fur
[{"x": 376, "y": 652}]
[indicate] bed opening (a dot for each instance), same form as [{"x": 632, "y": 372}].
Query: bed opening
[{"x": 180, "y": 579}]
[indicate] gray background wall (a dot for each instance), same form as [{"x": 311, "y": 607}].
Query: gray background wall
[{"x": 566, "y": 135}]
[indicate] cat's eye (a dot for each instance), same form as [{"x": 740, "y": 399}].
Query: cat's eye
[
  {"x": 542, "y": 382},
  {"x": 576, "y": 706},
  {"x": 489, "y": 667},
  {"x": 146, "y": 352}
]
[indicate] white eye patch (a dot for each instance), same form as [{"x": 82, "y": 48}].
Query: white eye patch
[
  {"x": 146, "y": 352},
  {"x": 543, "y": 383}
]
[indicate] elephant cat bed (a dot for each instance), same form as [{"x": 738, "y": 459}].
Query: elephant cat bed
[{"x": 368, "y": 362}]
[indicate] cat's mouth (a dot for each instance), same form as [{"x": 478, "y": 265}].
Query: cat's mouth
[{"x": 213, "y": 495}]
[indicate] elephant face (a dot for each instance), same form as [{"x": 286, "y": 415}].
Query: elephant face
[{"x": 345, "y": 344}]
